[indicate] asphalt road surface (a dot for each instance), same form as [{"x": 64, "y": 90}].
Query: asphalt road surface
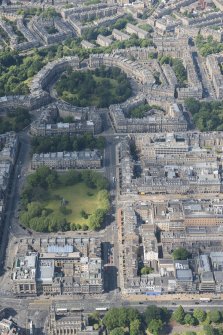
[{"x": 17, "y": 179}]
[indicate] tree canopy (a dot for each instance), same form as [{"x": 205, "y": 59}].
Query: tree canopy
[
  {"x": 135, "y": 327},
  {"x": 139, "y": 111},
  {"x": 101, "y": 87},
  {"x": 146, "y": 270},
  {"x": 189, "y": 319},
  {"x": 122, "y": 317},
  {"x": 207, "y": 46},
  {"x": 199, "y": 314},
  {"x": 178, "y": 68},
  {"x": 117, "y": 331},
  {"x": 155, "y": 326},
  {"x": 215, "y": 316},
  {"x": 154, "y": 319},
  {"x": 181, "y": 254},
  {"x": 207, "y": 116},
  {"x": 15, "y": 120},
  {"x": 36, "y": 193},
  {"x": 179, "y": 314},
  {"x": 42, "y": 144},
  {"x": 155, "y": 313}
]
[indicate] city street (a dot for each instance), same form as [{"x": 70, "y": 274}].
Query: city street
[
  {"x": 110, "y": 237},
  {"x": 11, "y": 223}
]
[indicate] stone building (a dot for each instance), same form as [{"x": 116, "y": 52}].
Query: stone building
[
  {"x": 9, "y": 145},
  {"x": 87, "y": 45},
  {"x": 40, "y": 27},
  {"x": 132, "y": 68},
  {"x": 24, "y": 275},
  {"x": 60, "y": 266},
  {"x": 202, "y": 272},
  {"x": 86, "y": 120},
  {"x": 132, "y": 29},
  {"x": 66, "y": 318},
  {"x": 154, "y": 121},
  {"x": 213, "y": 67},
  {"x": 103, "y": 41},
  {"x": 119, "y": 35},
  {"x": 171, "y": 164},
  {"x": 67, "y": 160},
  {"x": 49, "y": 72}
]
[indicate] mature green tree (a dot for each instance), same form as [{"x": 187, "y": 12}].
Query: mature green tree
[
  {"x": 215, "y": 316},
  {"x": 66, "y": 143},
  {"x": 33, "y": 180},
  {"x": 139, "y": 111},
  {"x": 199, "y": 314},
  {"x": 155, "y": 326},
  {"x": 111, "y": 319},
  {"x": 24, "y": 218},
  {"x": 117, "y": 331},
  {"x": 73, "y": 226},
  {"x": 189, "y": 320},
  {"x": 153, "y": 312},
  {"x": 209, "y": 330},
  {"x": 181, "y": 254},
  {"x": 135, "y": 327},
  {"x": 146, "y": 270},
  {"x": 95, "y": 316},
  {"x": 52, "y": 180},
  {"x": 166, "y": 60},
  {"x": 39, "y": 224},
  {"x": 39, "y": 178},
  {"x": 193, "y": 105},
  {"x": 206, "y": 115},
  {"x": 15, "y": 120},
  {"x": 180, "y": 71},
  {"x": 100, "y": 142},
  {"x": 99, "y": 181},
  {"x": 133, "y": 314},
  {"x": 35, "y": 209},
  {"x": 97, "y": 218},
  {"x": 50, "y": 13},
  {"x": 83, "y": 214},
  {"x": 122, "y": 317},
  {"x": 179, "y": 314},
  {"x": 103, "y": 198},
  {"x": 208, "y": 46},
  {"x": 71, "y": 177}
]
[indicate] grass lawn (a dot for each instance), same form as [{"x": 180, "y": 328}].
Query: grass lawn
[{"x": 79, "y": 197}]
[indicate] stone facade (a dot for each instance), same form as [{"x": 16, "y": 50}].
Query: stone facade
[{"x": 35, "y": 273}]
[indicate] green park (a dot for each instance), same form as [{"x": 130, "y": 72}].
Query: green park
[
  {"x": 76, "y": 200},
  {"x": 101, "y": 87},
  {"x": 72, "y": 200},
  {"x": 160, "y": 321}
]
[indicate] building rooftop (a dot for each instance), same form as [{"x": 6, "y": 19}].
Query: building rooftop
[{"x": 184, "y": 275}]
